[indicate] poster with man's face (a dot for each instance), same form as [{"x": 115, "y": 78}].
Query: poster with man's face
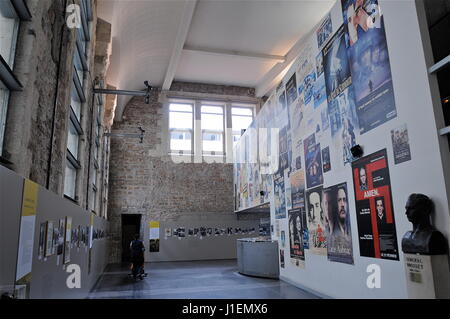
[
  {"x": 374, "y": 208},
  {"x": 316, "y": 221},
  {"x": 337, "y": 212}
]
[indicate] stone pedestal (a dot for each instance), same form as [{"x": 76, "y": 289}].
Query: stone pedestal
[{"x": 427, "y": 277}]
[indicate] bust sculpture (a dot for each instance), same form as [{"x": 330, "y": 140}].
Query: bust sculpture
[{"x": 424, "y": 238}]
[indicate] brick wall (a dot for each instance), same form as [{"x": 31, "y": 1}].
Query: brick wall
[{"x": 144, "y": 180}]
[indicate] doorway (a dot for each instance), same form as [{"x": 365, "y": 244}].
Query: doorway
[{"x": 131, "y": 225}]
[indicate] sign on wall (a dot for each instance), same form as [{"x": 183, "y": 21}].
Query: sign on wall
[{"x": 374, "y": 208}]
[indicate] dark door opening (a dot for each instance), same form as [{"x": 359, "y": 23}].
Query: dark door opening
[{"x": 131, "y": 225}]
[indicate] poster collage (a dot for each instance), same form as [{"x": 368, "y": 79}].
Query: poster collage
[
  {"x": 59, "y": 238},
  {"x": 339, "y": 88}
]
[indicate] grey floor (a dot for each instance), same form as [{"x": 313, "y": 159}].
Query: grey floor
[{"x": 192, "y": 280}]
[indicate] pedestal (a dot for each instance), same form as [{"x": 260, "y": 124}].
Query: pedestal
[{"x": 427, "y": 277}]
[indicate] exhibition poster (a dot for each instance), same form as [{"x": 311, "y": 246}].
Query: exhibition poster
[
  {"x": 340, "y": 247},
  {"x": 313, "y": 162},
  {"x": 369, "y": 63},
  {"x": 296, "y": 228},
  {"x": 26, "y": 237},
  {"x": 374, "y": 208},
  {"x": 316, "y": 221},
  {"x": 400, "y": 144},
  {"x": 49, "y": 239},
  {"x": 291, "y": 90},
  {"x": 154, "y": 236},
  {"x": 297, "y": 179},
  {"x": 279, "y": 197},
  {"x": 67, "y": 240},
  {"x": 324, "y": 31}
]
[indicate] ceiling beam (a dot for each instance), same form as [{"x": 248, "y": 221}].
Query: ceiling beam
[
  {"x": 183, "y": 29},
  {"x": 278, "y": 58}
]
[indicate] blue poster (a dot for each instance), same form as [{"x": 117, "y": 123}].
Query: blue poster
[
  {"x": 336, "y": 65},
  {"x": 319, "y": 91},
  {"x": 313, "y": 162},
  {"x": 369, "y": 63}
]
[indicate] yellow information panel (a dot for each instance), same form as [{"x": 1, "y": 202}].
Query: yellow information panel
[{"x": 27, "y": 229}]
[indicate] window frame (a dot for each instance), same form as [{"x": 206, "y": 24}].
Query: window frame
[
  {"x": 182, "y": 130},
  {"x": 215, "y": 132}
]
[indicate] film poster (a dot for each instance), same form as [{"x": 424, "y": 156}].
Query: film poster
[{"x": 374, "y": 207}]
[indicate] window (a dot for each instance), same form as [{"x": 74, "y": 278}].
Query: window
[
  {"x": 70, "y": 179},
  {"x": 77, "y": 98},
  {"x": 241, "y": 117},
  {"x": 212, "y": 130},
  {"x": 181, "y": 123},
  {"x": 72, "y": 140},
  {"x": 9, "y": 28}
]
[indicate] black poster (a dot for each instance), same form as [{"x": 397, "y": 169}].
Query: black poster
[
  {"x": 291, "y": 90},
  {"x": 400, "y": 144},
  {"x": 374, "y": 208}
]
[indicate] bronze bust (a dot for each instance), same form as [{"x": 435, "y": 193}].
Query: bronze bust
[{"x": 424, "y": 239}]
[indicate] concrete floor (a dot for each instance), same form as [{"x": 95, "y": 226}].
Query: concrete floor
[{"x": 192, "y": 280}]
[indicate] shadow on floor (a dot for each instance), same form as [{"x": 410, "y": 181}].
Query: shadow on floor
[{"x": 218, "y": 279}]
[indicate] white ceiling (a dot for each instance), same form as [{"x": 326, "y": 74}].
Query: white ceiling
[{"x": 149, "y": 36}]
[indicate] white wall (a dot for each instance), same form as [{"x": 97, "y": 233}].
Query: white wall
[{"x": 422, "y": 174}]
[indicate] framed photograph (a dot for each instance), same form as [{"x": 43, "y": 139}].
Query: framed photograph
[
  {"x": 67, "y": 240},
  {"x": 49, "y": 239},
  {"x": 61, "y": 235},
  {"x": 42, "y": 239}
]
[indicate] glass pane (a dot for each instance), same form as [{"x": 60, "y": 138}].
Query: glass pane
[
  {"x": 4, "y": 98},
  {"x": 212, "y": 142},
  {"x": 75, "y": 102},
  {"x": 78, "y": 66},
  {"x": 180, "y": 120},
  {"x": 181, "y": 141},
  {"x": 180, "y": 107},
  {"x": 70, "y": 179},
  {"x": 241, "y": 122},
  {"x": 9, "y": 26},
  {"x": 242, "y": 111},
  {"x": 212, "y": 122},
  {"x": 72, "y": 141},
  {"x": 212, "y": 109}
]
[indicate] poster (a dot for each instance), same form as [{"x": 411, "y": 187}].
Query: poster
[
  {"x": 168, "y": 232},
  {"x": 291, "y": 90},
  {"x": 374, "y": 208},
  {"x": 154, "y": 236},
  {"x": 336, "y": 65},
  {"x": 297, "y": 226},
  {"x": 316, "y": 221},
  {"x": 369, "y": 63},
  {"x": 298, "y": 189},
  {"x": 49, "y": 239},
  {"x": 42, "y": 239},
  {"x": 339, "y": 243},
  {"x": 400, "y": 144},
  {"x": 324, "y": 31},
  {"x": 67, "y": 240},
  {"x": 283, "y": 238},
  {"x": 313, "y": 162},
  {"x": 281, "y": 258},
  {"x": 279, "y": 197},
  {"x": 60, "y": 237},
  {"x": 326, "y": 163},
  {"x": 26, "y": 232}
]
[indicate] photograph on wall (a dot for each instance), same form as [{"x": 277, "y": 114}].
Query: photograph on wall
[
  {"x": 306, "y": 72},
  {"x": 297, "y": 226},
  {"x": 283, "y": 238},
  {"x": 67, "y": 240},
  {"x": 313, "y": 162},
  {"x": 283, "y": 162},
  {"x": 324, "y": 31},
  {"x": 287, "y": 189},
  {"x": 42, "y": 240},
  {"x": 344, "y": 124},
  {"x": 282, "y": 100},
  {"x": 400, "y": 144},
  {"x": 279, "y": 197},
  {"x": 369, "y": 63},
  {"x": 326, "y": 163},
  {"x": 336, "y": 65},
  {"x": 316, "y": 221},
  {"x": 319, "y": 91},
  {"x": 60, "y": 237},
  {"x": 374, "y": 207},
  {"x": 49, "y": 240},
  {"x": 168, "y": 232},
  {"x": 281, "y": 258},
  {"x": 291, "y": 90},
  {"x": 337, "y": 210},
  {"x": 154, "y": 245},
  {"x": 297, "y": 179},
  {"x": 307, "y": 87}
]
